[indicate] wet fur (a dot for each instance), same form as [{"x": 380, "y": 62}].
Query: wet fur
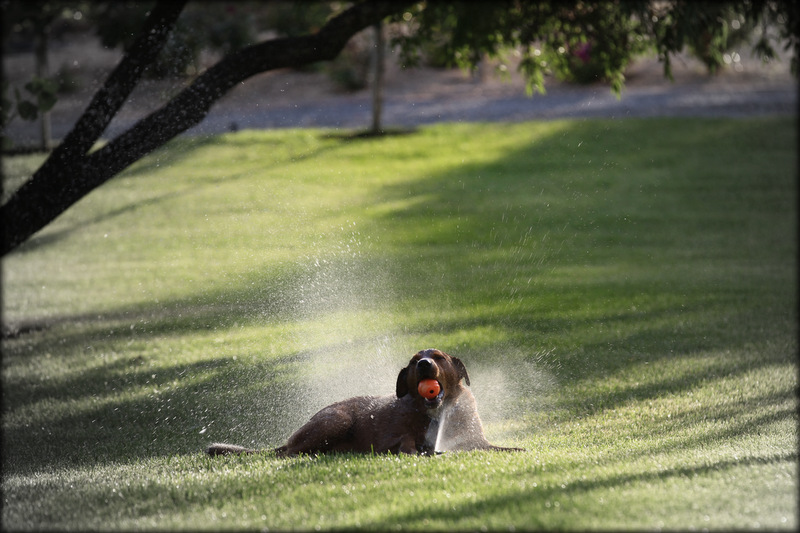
[{"x": 401, "y": 423}]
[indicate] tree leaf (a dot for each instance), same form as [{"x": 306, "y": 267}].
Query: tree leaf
[
  {"x": 27, "y": 110},
  {"x": 45, "y": 91}
]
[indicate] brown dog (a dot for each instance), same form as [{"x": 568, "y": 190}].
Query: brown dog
[{"x": 405, "y": 423}]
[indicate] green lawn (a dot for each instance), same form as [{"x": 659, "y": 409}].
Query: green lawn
[{"x": 623, "y": 293}]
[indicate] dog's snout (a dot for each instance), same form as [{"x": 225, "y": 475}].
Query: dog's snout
[{"x": 424, "y": 364}]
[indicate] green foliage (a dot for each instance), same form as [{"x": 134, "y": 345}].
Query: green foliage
[
  {"x": 42, "y": 96},
  {"x": 624, "y": 294},
  {"x": 30, "y": 22},
  {"x": 583, "y": 42},
  {"x": 117, "y": 23},
  {"x": 590, "y": 41},
  {"x": 292, "y": 19},
  {"x": 724, "y": 30},
  {"x": 44, "y": 91},
  {"x": 216, "y": 26},
  {"x": 780, "y": 23},
  {"x": 710, "y": 28}
]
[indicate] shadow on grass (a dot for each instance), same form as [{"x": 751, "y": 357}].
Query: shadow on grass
[
  {"x": 123, "y": 406},
  {"x": 49, "y": 238},
  {"x": 370, "y": 134},
  {"x": 177, "y": 152},
  {"x": 124, "y": 409},
  {"x": 512, "y": 500},
  {"x": 125, "y": 412},
  {"x": 512, "y": 208}
]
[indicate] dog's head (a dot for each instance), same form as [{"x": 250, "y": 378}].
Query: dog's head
[{"x": 432, "y": 364}]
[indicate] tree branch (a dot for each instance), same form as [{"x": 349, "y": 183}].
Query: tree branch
[
  {"x": 55, "y": 187},
  {"x": 57, "y": 184},
  {"x": 121, "y": 82},
  {"x": 192, "y": 104}
]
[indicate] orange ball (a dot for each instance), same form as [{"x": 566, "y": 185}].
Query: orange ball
[{"x": 429, "y": 388}]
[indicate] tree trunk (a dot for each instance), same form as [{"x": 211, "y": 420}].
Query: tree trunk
[
  {"x": 66, "y": 176},
  {"x": 377, "y": 78},
  {"x": 70, "y": 172}
]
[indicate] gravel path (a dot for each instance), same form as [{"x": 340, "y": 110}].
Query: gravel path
[
  {"x": 589, "y": 102},
  {"x": 423, "y": 96}
]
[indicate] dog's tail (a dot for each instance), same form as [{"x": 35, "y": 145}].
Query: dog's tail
[{"x": 227, "y": 449}]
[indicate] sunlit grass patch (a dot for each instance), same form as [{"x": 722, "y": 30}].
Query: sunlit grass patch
[{"x": 623, "y": 294}]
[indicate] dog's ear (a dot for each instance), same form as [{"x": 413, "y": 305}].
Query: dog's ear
[
  {"x": 460, "y": 369},
  {"x": 402, "y": 383}
]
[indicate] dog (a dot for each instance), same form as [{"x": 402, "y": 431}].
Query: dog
[{"x": 405, "y": 422}]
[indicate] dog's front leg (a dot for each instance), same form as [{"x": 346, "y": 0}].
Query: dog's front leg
[{"x": 408, "y": 445}]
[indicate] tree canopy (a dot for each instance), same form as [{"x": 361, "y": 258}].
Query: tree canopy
[{"x": 571, "y": 39}]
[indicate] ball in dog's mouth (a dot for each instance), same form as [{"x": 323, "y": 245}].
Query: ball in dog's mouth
[
  {"x": 429, "y": 388},
  {"x": 432, "y": 392}
]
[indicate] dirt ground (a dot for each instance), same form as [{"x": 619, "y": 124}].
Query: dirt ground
[{"x": 416, "y": 96}]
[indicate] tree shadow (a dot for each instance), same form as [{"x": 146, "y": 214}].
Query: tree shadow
[
  {"x": 174, "y": 153},
  {"x": 124, "y": 410},
  {"x": 50, "y": 237},
  {"x": 510, "y": 501},
  {"x": 370, "y": 134}
]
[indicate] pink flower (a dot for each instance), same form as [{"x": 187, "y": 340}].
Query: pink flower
[{"x": 584, "y": 52}]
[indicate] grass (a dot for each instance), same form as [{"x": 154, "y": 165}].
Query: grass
[{"x": 624, "y": 295}]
